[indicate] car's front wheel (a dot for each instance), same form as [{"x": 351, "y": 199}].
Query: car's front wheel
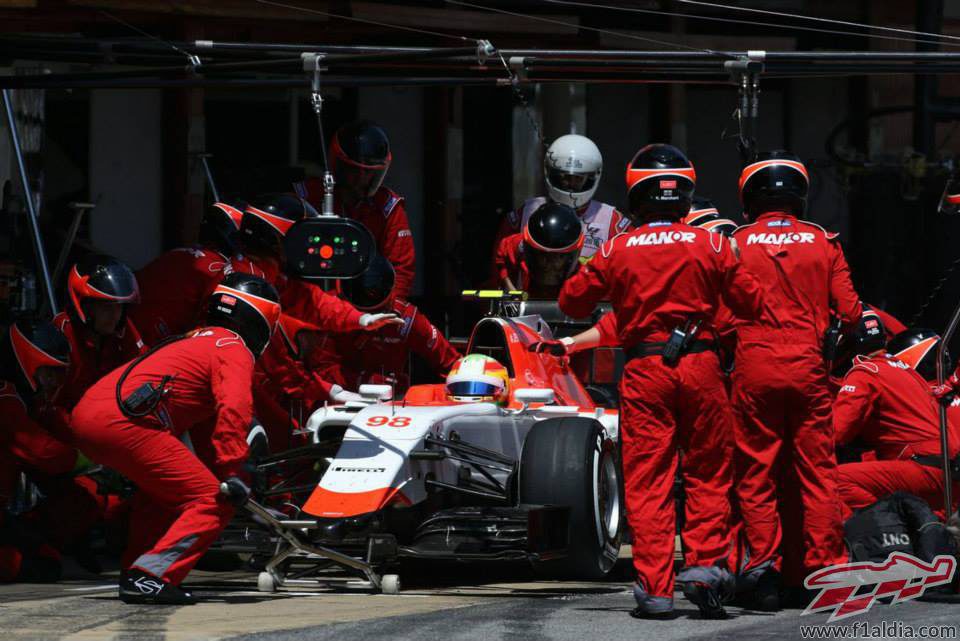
[{"x": 572, "y": 462}]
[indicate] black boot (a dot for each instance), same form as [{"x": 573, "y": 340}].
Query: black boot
[
  {"x": 708, "y": 587},
  {"x": 767, "y": 593},
  {"x": 136, "y": 586}
]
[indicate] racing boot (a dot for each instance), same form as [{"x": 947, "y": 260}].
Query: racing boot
[
  {"x": 137, "y": 586},
  {"x": 651, "y": 607},
  {"x": 767, "y": 594},
  {"x": 708, "y": 587}
]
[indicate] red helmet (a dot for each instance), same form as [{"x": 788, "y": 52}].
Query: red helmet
[
  {"x": 248, "y": 305},
  {"x": 660, "y": 182},
  {"x": 775, "y": 181},
  {"x": 360, "y": 157},
  {"x": 917, "y": 347},
  {"x": 29, "y": 346},
  {"x": 100, "y": 277}
]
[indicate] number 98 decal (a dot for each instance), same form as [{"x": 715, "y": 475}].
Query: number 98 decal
[{"x": 388, "y": 421}]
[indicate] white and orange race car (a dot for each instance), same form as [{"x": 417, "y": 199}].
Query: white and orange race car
[{"x": 426, "y": 477}]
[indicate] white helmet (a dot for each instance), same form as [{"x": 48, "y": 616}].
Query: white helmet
[{"x": 572, "y": 168}]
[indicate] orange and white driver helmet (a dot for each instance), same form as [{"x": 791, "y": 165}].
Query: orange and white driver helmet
[{"x": 477, "y": 378}]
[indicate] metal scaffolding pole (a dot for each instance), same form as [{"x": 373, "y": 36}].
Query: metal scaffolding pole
[{"x": 28, "y": 197}]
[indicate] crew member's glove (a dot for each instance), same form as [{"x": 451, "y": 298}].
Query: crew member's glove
[
  {"x": 236, "y": 491},
  {"x": 948, "y": 389},
  {"x": 371, "y": 322},
  {"x": 555, "y": 347},
  {"x": 340, "y": 395}
]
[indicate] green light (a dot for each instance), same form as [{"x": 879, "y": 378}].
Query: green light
[
  {"x": 355, "y": 243},
  {"x": 336, "y": 239}
]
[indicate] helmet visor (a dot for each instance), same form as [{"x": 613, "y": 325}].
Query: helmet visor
[
  {"x": 362, "y": 180},
  {"x": 549, "y": 269},
  {"x": 575, "y": 183},
  {"x": 472, "y": 388}
]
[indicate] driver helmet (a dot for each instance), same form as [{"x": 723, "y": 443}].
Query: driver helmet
[
  {"x": 477, "y": 378},
  {"x": 572, "y": 168}
]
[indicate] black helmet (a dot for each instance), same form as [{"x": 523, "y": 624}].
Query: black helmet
[
  {"x": 775, "y": 181},
  {"x": 29, "y": 346},
  {"x": 220, "y": 226},
  {"x": 660, "y": 182},
  {"x": 869, "y": 335},
  {"x": 267, "y": 219},
  {"x": 248, "y": 305},
  {"x": 917, "y": 347},
  {"x": 372, "y": 289},
  {"x": 552, "y": 238},
  {"x": 100, "y": 277},
  {"x": 704, "y": 214},
  {"x": 360, "y": 157}
]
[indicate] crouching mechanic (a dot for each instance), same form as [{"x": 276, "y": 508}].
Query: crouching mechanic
[
  {"x": 665, "y": 281},
  {"x": 885, "y": 404},
  {"x": 355, "y": 358},
  {"x": 33, "y": 364},
  {"x": 133, "y": 419}
]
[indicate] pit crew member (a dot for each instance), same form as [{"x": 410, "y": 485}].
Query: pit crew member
[
  {"x": 780, "y": 384},
  {"x": 665, "y": 281},
  {"x": 175, "y": 286},
  {"x": 541, "y": 258},
  {"x": 359, "y": 159},
  {"x": 359, "y": 357},
  {"x": 97, "y": 323},
  {"x": 571, "y": 169},
  {"x": 132, "y": 421},
  {"x": 888, "y": 406}
]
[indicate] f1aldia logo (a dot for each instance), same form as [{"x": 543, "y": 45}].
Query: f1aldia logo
[{"x": 848, "y": 589}]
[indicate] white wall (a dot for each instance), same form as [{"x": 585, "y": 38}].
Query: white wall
[
  {"x": 126, "y": 173},
  {"x": 400, "y": 111}
]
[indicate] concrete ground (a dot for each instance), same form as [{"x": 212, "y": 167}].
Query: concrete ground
[{"x": 444, "y": 603}]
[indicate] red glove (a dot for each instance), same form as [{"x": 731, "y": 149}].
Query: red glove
[
  {"x": 554, "y": 347},
  {"x": 949, "y": 387}
]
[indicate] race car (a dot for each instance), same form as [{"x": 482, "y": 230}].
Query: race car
[{"x": 426, "y": 476}]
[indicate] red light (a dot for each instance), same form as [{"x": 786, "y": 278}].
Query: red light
[
  {"x": 326, "y": 251},
  {"x": 312, "y": 250}
]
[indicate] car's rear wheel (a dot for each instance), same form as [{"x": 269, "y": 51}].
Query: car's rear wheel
[{"x": 572, "y": 462}]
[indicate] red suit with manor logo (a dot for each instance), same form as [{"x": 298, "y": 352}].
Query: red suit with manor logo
[
  {"x": 786, "y": 466},
  {"x": 199, "y": 385},
  {"x": 660, "y": 277},
  {"x": 888, "y": 407}
]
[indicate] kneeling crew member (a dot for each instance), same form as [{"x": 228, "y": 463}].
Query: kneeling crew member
[
  {"x": 132, "y": 421},
  {"x": 889, "y": 407}
]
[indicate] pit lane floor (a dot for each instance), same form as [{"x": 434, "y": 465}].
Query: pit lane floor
[{"x": 449, "y": 604}]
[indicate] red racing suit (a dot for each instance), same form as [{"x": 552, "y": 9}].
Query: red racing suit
[
  {"x": 179, "y": 512},
  {"x": 25, "y": 446},
  {"x": 385, "y": 215},
  {"x": 382, "y": 356},
  {"x": 91, "y": 357},
  {"x": 887, "y": 406},
  {"x": 786, "y": 465},
  {"x": 658, "y": 277},
  {"x": 174, "y": 289}
]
